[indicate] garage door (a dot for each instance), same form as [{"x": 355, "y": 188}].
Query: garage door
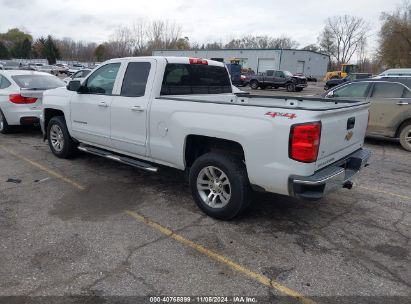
[
  {"x": 265, "y": 64},
  {"x": 300, "y": 67}
]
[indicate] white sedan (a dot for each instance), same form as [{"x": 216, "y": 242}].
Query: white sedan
[
  {"x": 21, "y": 95},
  {"x": 79, "y": 75}
]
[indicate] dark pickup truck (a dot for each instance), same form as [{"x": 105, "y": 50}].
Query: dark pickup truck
[{"x": 275, "y": 79}]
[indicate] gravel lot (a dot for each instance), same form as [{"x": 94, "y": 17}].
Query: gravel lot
[{"x": 92, "y": 227}]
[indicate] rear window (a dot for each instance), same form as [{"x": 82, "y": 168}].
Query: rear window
[
  {"x": 184, "y": 79},
  {"x": 38, "y": 82}
]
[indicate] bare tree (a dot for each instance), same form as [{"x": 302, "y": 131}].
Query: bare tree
[
  {"x": 395, "y": 37},
  {"x": 139, "y": 34},
  {"x": 342, "y": 36},
  {"x": 262, "y": 42},
  {"x": 121, "y": 42}
]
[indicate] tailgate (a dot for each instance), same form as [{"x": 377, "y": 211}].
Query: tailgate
[{"x": 342, "y": 133}]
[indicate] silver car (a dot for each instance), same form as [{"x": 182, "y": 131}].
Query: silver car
[{"x": 21, "y": 95}]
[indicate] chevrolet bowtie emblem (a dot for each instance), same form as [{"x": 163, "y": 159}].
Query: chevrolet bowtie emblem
[{"x": 349, "y": 135}]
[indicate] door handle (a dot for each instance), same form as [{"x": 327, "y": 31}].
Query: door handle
[
  {"x": 103, "y": 104},
  {"x": 137, "y": 109},
  {"x": 403, "y": 103}
]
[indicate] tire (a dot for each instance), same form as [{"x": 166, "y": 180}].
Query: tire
[
  {"x": 290, "y": 87},
  {"x": 231, "y": 192},
  {"x": 405, "y": 137},
  {"x": 4, "y": 126},
  {"x": 298, "y": 89},
  {"x": 254, "y": 84},
  {"x": 59, "y": 139}
]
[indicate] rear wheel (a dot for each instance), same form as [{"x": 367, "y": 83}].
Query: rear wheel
[
  {"x": 60, "y": 141},
  {"x": 4, "y": 126},
  {"x": 219, "y": 185},
  {"x": 254, "y": 84},
  {"x": 405, "y": 137},
  {"x": 290, "y": 87}
]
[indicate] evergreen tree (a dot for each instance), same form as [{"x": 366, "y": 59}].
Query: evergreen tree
[
  {"x": 4, "y": 52},
  {"x": 50, "y": 50},
  {"x": 100, "y": 52}
]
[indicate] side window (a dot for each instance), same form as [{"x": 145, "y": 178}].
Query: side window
[
  {"x": 388, "y": 90},
  {"x": 354, "y": 90},
  {"x": 102, "y": 80},
  {"x": 76, "y": 75},
  {"x": 279, "y": 74},
  {"x": 4, "y": 83},
  {"x": 135, "y": 79},
  {"x": 270, "y": 73}
]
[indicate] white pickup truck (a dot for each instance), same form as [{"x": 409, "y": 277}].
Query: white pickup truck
[{"x": 179, "y": 112}]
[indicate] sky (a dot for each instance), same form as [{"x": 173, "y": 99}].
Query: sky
[{"x": 201, "y": 20}]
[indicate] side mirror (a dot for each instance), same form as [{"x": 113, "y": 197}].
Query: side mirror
[
  {"x": 74, "y": 85},
  {"x": 330, "y": 94}
]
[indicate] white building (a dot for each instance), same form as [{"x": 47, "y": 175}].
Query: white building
[{"x": 260, "y": 60}]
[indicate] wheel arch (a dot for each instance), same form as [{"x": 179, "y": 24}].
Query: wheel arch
[
  {"x": 407, "y": 121},
  {"x": 197, "y": 145}
]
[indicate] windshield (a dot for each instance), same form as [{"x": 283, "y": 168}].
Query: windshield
[
  {"x": 38, "y": 82},
  {"x": 287, "y": 73}
]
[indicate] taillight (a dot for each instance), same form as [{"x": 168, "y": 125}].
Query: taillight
[
  {"x": 305, "y": 141},
  {"x": 198, "y": 61},
  {"x": 18, "y": 99}
]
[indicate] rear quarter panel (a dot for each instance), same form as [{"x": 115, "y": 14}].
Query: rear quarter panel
[{"x": 264, "y": 139}]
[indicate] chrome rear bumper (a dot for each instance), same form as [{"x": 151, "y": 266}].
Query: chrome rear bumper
[{"x": 330, "y": 178}]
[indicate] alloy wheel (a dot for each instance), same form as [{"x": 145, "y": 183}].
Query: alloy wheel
[
  {"x": 57, "y": 138},
  {"x": 214, "y": 187}
]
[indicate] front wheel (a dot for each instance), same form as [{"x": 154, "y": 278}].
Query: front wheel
[
  {"x": 405, "y": 137},
  {"x": 254, "y": 84},
  {"x": 219, "y": 185},
  {"x": 290, "y": 87},
  {"x": 59, "y": 139}
]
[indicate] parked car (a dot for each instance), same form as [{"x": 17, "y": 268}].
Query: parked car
[
  {"x": 77, "y": 75},
  {"x": 181, "y": 112},
  {"x": 276, "y": 79},
  {"x": 74, "y": 68},
  {"x": 11, "y": 65},
  {"x": 390, "y": 109},
  {"x": 395, "y": 73},
  {"x": 51, "y": 69},
  {"x": 309, "y": 77},
  {"x": 21, "y": 94},
  {"x": 36, "y": 66},
  {"x": 337, "y": 81},
  {"x": 62, "y": 68}
]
